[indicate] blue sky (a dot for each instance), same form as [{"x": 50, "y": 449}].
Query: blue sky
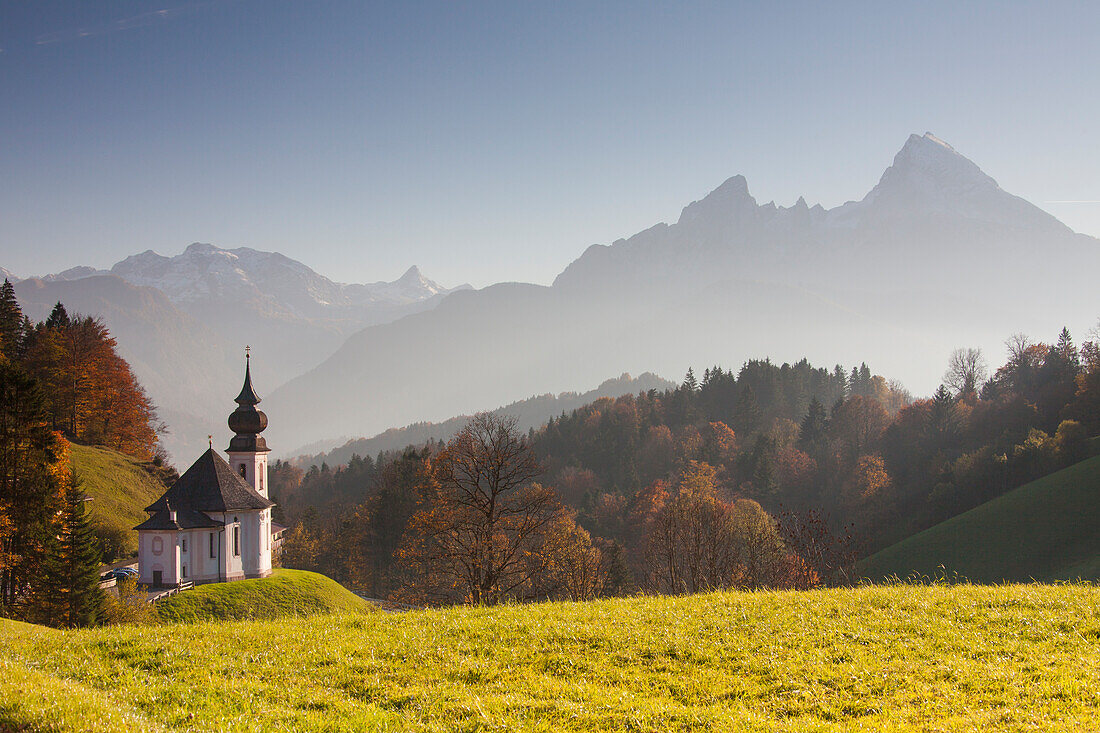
[{"x": 495, "y": 141}]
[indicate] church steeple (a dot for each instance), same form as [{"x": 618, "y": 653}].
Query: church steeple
[
  {"x": 246, "y": 421},
  {"x": 248, "y": 395}
]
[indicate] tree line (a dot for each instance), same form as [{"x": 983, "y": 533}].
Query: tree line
[
  {"x": 60, "y": 381},
  {"x": 773, "y": 476}
]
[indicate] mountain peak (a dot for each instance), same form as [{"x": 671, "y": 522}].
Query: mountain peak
[
  {"x": 732, "y": 198},
  {"x": 929, "y": 173},
  {"x": 411, "y": 275},
  {"x": 930, "y": 157},
  {"x": 199, "y": 248}
]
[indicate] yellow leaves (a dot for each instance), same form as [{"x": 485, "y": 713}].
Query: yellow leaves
[{"x": 698, "y": 479}]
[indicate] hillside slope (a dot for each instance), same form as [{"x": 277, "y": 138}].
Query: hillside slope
[
  {"x": 533, "y": 412},
  {"x": 876, "y": 658},
  {"x": 285, "y": 593},
  {"x": 1045, "y": 530},
  {"x": 120, "y": 489}
]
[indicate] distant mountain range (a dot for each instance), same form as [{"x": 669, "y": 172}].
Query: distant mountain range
[
  {"x": 183, "y": 322},
  {"x": 934, "y": 257}
]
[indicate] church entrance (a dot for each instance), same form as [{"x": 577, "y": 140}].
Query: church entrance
[{"x": 158, "y": 578}]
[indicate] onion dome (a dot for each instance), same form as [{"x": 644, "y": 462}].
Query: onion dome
[{"x": 246, "y": 421}]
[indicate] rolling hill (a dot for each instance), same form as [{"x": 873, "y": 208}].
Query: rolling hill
[
  {"x": 120, "y": 489},
  {"x": 876, "y": 658},
  {"x": 285, "y": 593},
  {"x": 1045, "y": 530}
]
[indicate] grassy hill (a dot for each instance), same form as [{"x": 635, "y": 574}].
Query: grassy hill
[
  {"x": 1045, "y": 530},
  {"x": 873, "y": 658},
  {"x": 285, "y": 593},
  {"x": 120, "y": 489}
]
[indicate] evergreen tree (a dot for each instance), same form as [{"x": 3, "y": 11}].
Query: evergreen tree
[
  {"x": 865, "y": 379},
  {"x": 841, "y": 380},
  {"x": 11, "y": 322},
  {"x": 1067, "y": 353},
  {"x": 764, "y": 481},
  {"x": 747, "y": 415},
  {"x": 69, "y": 591},
  {"x": 690, "y": 383},
  {"x": 58, "y": 318},
  {"x": 943, "y": 417},
  {"x": 29, "y": 483},
  {"x": 813, "y": 431}
]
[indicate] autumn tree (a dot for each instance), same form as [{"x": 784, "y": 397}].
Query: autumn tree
[
  {"x": 829, "y": 554},
  {"x": 481, "y": 533},
  {"x": 92, "y": 394},
  {"x": 966, "y": 371},
  {"x": 699, "y": 542}
]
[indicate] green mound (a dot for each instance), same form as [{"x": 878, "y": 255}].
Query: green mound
[
  {"x": 885, "y": 658},
  {"x": 285, "y": 593},
  {"x": 1045, "y": 530},
  {"x": 120, "y": 489}
]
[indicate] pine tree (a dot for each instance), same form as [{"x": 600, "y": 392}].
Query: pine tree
[
  {"x": 747, "y": 415},
  {"x": 58, "y": 318},
  {"x": 812, "y": 435},
  {"x": 841, "y": 380},
  {"x": 1067, "y": 353},
  {"x": 690, "y": 383},
  {"x": 29, "y": 482},
  {"x": 72, "y": 566},
  {"x": 11, "y": 322}
]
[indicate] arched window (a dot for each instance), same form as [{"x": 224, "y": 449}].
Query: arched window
[
  {"x": 236, "y": 537},
  {"x": 243, "y": 471}
]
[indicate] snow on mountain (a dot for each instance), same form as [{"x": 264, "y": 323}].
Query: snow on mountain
[
  {"x": 291, "y": 316},
  {"x": 204, "y": 271},
  {"x": 7, "y": 274}
]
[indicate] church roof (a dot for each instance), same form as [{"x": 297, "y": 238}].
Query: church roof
[
  {"x": 185, "y": 519},
  {"x": 248, "y": 395},
  {"x": 210, "y": 485}
]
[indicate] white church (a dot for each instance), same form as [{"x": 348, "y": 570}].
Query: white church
[{"x": 214, "y": 524}]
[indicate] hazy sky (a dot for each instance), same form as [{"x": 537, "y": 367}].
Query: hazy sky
[{"x": 495, "y": 141}]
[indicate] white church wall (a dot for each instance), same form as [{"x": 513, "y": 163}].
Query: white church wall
[
  {"x": 158, "y": 555},
  {"x": 252, "y": 467}
]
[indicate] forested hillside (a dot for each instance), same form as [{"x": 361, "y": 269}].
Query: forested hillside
[
  {"x": 803, "y": 468},
  {"x": 533, "y": 412},
  {"x": 62, "y": 384},
  {"x": 1043, "y": 531}
]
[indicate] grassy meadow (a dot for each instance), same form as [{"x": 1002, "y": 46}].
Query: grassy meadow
[
  {"x": 1045, "y": 530},
  {"x": 887, "y": 658},
  {"x": 120, "y": 489},
  {"x": 284, "y": 593}
]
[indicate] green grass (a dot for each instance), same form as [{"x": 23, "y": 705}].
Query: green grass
[
  {"x": 1046, "y": 530},
  {"x": 120, "y": 489},
  {"x": 284, "y": 593},
  {"x": 886, "y": 658}
]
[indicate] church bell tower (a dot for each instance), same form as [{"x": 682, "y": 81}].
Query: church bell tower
[{"x": 248, "y": 450}]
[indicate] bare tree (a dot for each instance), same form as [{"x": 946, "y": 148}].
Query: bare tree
[
  {"x": 966, "y": 371},
  {"x": 481, "y": 533}
]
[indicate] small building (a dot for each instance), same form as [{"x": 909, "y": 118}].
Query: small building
[{"x": 214, "y": 524}]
